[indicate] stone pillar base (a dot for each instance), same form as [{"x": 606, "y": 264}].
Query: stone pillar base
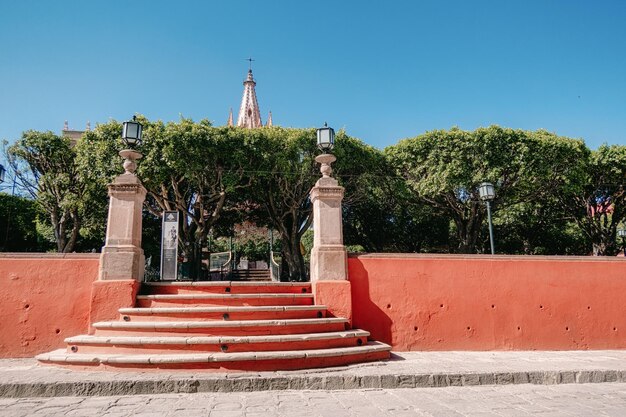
[
  {"x": 329, "y": 263},
  {"x": 121, "y": 263},
  {"x": 336, "y": 296}
]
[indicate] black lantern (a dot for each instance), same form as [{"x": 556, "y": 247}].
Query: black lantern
[
  {"x": 2, "y": 172},
  {"x": 131, "y": 132},
  {"x": 325, "y": 138}
]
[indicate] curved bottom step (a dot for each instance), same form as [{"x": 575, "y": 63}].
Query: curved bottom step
[{"x": 217, "y": 361}]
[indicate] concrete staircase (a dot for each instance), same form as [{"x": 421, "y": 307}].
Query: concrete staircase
[
  {"x": 251, "y": 275},
  {"x": 228, "y": 325}
]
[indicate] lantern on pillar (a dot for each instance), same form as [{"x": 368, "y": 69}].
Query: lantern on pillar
[
  {"x": 325, "y": 138},
  {"x": 131, "y": 132}
]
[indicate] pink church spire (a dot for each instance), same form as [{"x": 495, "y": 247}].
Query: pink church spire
[
  {"x": 269, "y": 120},
  {"x": 230, "y": 118},
  {"x": 249, "y": 113}
]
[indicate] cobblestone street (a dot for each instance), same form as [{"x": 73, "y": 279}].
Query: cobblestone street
[{"x": 608, "y": 399}]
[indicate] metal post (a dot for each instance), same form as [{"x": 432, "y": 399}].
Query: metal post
[
  {"x": 493, "y": 250},
  {"x": 271, "y": 248},
  {"x": 232, "y": 253}
]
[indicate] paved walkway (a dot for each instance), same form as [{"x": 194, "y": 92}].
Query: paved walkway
[
  {"x": 597, "y": 400},
  {"x": 25, "y": 378}
]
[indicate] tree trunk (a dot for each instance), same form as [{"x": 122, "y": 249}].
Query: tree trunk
[
  {"x": 468, "y": 235},
  {"x": 71, "y": 242},
  {"x": 296, "y": 270},
  {"x": 468, "y": 228}
]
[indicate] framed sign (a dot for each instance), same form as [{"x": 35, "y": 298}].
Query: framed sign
[{"x": 169, "y": 246}]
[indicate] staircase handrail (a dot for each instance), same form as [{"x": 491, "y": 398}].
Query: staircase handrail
[
  {"x": 274, "y": 268},
  {"x": 224, "y": 266}
]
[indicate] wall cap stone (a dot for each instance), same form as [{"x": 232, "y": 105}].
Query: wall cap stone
[
  {"x": 44, "y": 255},
  {"x": 478, "y": 257}
]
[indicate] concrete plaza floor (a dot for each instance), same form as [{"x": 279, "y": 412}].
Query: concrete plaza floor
[
  {"x": 26, "y": 378},
  {"x": 593, "y": 400}
]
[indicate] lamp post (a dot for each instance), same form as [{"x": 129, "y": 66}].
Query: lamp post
[
  {"x": 622, "y": 233},
  {"x": 487, "y": 193}
]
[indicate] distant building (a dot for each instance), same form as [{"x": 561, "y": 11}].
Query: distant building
[{"x": 74, "y": 135}]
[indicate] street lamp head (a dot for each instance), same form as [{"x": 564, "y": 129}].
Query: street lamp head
[
  {"x": 325, "y": 138},
  {"x": 486, "y": 191},
  {"x": 2, "y": 173},
  {"x": 131, "y": 132}
]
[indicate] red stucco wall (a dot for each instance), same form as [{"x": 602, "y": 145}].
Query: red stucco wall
[
  {"x": 435, "y": 302},
  {"x": 44, "y": 298}
]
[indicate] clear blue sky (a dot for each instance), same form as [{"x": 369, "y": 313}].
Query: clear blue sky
[{"x": 382, "y": 70}]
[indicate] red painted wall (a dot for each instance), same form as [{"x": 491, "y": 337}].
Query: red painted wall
[
  {"x": 439, "y": 302},
  {"x": 44, "y": 298}
]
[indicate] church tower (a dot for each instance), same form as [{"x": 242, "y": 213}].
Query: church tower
[{"x": 249, "y": 113}]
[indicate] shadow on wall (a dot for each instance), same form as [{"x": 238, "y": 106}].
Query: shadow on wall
[{"x": 366, "y": 314}]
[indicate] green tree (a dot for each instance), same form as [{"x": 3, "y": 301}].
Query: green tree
[
  {"x": 18, "y": 224},
  {"x": 193, "y": 168},
  {"x": 98, "y": 160},
  {"x": 284, "y": 172},
  {"x": 444, "y": 168},
  {"x": 597, "y": 201},
  {"x": 46, "y": 167},
  {"x": 538, "y": 228}
]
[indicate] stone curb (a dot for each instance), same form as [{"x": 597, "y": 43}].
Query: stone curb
[{"x": 303, "y": 382}]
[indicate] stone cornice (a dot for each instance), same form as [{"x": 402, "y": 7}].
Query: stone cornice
[{"x": 327, "y": 192}]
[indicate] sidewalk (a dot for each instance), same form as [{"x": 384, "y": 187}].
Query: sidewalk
[{"x": 26, "y": 378}]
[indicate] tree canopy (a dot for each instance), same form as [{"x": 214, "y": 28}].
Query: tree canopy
[
  {"x": 444, "y": 169},
  {"x": 553, "y": 194}
]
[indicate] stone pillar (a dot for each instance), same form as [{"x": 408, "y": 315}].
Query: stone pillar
[
  {"x": 329, "y": 260},
  {"x": 122, "y": 259},
  {"x": 328, "y": 256},
  {"x": 122, "y": 256}
]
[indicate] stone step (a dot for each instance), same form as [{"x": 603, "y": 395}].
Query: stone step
[
  {"x": 184, "y": 344},
  {"x": 219, "y": 361},
  {"x": 222, "y": 313},
  {"x": 225, "y": 287},
  {"x": 259, "y": 299},
  {"x": 221, "y": 328},
  {"x": 251, "y": 275}
]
